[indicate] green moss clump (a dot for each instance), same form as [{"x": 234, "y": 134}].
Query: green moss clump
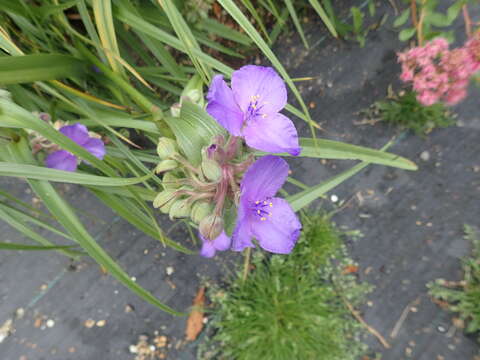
[{"x": 290, "y": 307}]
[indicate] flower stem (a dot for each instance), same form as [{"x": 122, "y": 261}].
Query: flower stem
[
  {"x": 246, "y": 264},
  {"x": 468, "y": 21}
]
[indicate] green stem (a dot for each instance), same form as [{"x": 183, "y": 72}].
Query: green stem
[{"x": 246, "y": 264}]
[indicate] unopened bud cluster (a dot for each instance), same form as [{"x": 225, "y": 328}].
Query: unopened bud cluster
[{"x": 201, "y": 192}]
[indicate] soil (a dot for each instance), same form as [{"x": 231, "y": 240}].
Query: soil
[{"x": 411, "y": 224}]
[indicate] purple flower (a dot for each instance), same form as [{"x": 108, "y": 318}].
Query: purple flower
[
  {"x": 269, "y": 219},
  {"x": 251, "y": 109},
  {"x": 210, "y": 247},
  {"x": 64, "y": 160}
]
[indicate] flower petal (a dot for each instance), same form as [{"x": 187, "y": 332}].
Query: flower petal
[
  {"x": 61, "y": 160},
  {"x": 264, "y": 82},
  {"x": 207, "y": 249},
  {"x": 95, "y": 147},
  {"x": 222, "y": 106},
  {"x": 242, "y": 237},
  {"x": 222, "y": 242},
  {"x": 76, "y": 132},
  {"x": 263, "y": 179},
  {"x": 273, "y": 133},
  {"x": 280, "y": 231}
]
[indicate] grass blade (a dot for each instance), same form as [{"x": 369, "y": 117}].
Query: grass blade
[
  {"x": 43, "y": 173},
  {"x": 38, "y": 67},
  {"x": 185, "y": 35},
  {"x": 330, "y": 149},
  {"x": 62, "y": 211},
  {"x": 323, "y": 15},
  {"x": 296, "y": 22},
  {"x": 304, "y": 198},
  {"x": 17, "y": 247},
  {"x": 102, "y": 10}
]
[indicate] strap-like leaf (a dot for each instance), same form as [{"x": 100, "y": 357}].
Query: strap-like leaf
[
  {"x": 43, "y": 173},
  {"x": 38, "y": 67}
]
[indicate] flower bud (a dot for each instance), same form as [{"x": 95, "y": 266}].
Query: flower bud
[
  {"x": 166, "y": 165},
  {"x": 200, "y": 210},
  {"x": 211, "y": 169},
  {"x": 166, "y": 147},
  {"x": 211, "y": 226},
  {"x": 175, "y": 109},
  {"x": 193, "y": 91},
  {"x": 164, "y": 200},
  {"x": 170, "y": 181},
  {"x": 180, "y": 209}
]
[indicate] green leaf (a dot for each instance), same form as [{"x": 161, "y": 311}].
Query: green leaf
[
  {"x": 47, "y": 10},
  {"x": 454, "y": 10},
  {"x": 357, "y": 16},
  {"x": 43, "y": 173},
  {"x": 102, "y": 9},
  {"x": 11, "y": 246},
  {"x": 296, "y": 22},
  {"x": 330, "y": 149},
  {"x": 193, "y": 130},
  {"x": 38, "y": 67},
  {"x": 16, "y": 222},
  {"x": 406, "y": 34},
  {"x": 185, "y": 35},
  {"x": 437, "y": 19},
  {"x": 323, "y": 15},
  {"x": 402, "y": 18},
  {"x": 306, "y": 197}
]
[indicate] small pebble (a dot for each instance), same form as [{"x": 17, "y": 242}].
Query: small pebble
[
  {"x": 50, "y": 323},
  {"x": 19, "y": 313},
  {"x": 89, "y": 323},
  {"x": 169, "y": 270},
  {"x": 334, "y": 198},
  {"x": 133, "y": 349},
  {"x": 441, "y": 328},
  {"x": 425, "y": 155},
  {"x": 101, "y": 323}
]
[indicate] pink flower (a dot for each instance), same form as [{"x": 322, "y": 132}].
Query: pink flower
[{"x": 439, "y": 74}]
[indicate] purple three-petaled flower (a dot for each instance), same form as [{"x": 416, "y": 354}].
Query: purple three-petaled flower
[
  {"x": 262, "y": 216},
  {"x": 64, "y": 160},
  {"x": 210, "y": 247},
  {"x": 251, "y": 109}
]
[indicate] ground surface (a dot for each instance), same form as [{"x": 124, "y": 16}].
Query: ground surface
[{"x": 411, "y": 221}]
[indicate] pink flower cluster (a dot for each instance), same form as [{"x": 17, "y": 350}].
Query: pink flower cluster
[{"x": 440, "y": 74}]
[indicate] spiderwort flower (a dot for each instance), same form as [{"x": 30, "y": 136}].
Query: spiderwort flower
[
  {"x": 64, "y": 160},
  {"x": 269, "y": 219},
  {"x": 251, "y": 109},
  {"x": 210, "y": 247}
]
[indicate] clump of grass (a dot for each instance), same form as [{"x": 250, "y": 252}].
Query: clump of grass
[
  {"x": 291, "y": 307},
  {"x": 405, "y": 111},
  {"x": 463, "y": 297}
]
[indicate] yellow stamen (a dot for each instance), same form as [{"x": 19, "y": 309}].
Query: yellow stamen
[{"x": 263, "y": 218}]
